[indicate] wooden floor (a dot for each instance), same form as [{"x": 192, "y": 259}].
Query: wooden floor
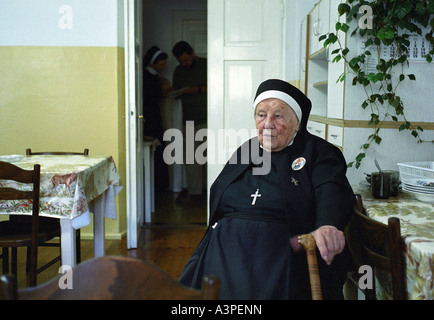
[{"x": 168, "y": 242}]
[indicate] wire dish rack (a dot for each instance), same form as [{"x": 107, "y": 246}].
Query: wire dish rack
[{"x": 418, "y": 179}]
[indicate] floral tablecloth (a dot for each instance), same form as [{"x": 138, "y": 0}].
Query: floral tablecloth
[
  {"x": 417, "y": 230},
  {"x": 68, "y": 185}
]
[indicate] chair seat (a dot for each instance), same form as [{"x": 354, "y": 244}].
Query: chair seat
[{"x": 18, "y": 235}]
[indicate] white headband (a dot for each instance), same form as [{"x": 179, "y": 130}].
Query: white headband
[
  {"x": 156, "y": 54},
  {"x": 282, "y": 96}
]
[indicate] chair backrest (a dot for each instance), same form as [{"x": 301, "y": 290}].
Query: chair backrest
[
  {"x": 359, "y": 204},
  {"x": 9, "y": 171},
  {"x": 381, "y": 248},
  {"x": 113, "y": 278},
  {"x": 29, "y": 152}
]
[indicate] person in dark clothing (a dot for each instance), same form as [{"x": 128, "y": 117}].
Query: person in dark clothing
[
  {"x": 190, "y": 76},
  {"x": 258, "y": 209},
  {"x": 154, "y": 62}
]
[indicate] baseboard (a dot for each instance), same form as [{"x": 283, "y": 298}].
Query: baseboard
[{"x": 108, "y": 236}]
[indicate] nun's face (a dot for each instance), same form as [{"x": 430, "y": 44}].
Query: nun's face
[
  {"x": 159, "y": 65},
  {"x": 276, "y": 124}
]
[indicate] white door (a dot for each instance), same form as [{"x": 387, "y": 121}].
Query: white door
[
  {"x": 245, "y": 47},
  {"x": 191, "y": 26},
  {"x": 134, "y": 135}
]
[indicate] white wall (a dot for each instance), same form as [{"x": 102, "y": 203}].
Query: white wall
[
  {"x": 97, "y": 23},
  {"x": 395, "y": 147}
]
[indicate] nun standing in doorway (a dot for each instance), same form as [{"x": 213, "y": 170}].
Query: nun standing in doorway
[
  {"x": 154, "y": 63},
  {"x": 251, "y": 242}
]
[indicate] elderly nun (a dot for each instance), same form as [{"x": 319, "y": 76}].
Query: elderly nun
[{"x": 250, "y": 244}]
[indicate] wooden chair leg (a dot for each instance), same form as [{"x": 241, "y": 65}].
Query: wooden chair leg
[
  {"x": 14, "y": 262},
  {"x": 28, "y": 265},
  {"x": 5, "y": 256},
  {"x": 31, "y": 270},
  {"x": 78, "y": 246},
  {"x": 27, "y": 259}
]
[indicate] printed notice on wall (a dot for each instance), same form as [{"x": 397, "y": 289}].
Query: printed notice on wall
[{"x": 418, "y": 49}]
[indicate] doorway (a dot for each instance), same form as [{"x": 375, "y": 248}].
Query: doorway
[
  {"x": 163, "y": 24},
  {"x": 243, "y": 51}
]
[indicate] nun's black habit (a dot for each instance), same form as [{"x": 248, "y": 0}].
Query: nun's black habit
[
  {"x": 249, "y": 246},
  {"x": 151, "y": 97},
  {"x": 153, "y": 125}
]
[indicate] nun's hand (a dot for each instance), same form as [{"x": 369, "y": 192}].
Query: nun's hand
[{"x": 330, "y": 242}]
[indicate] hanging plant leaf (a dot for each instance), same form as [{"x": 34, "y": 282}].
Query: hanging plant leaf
[
  {"x": 430, "y": 7},
  {"x": 381, "y": 85},
  {"x": 383, "y": 34},
  {"x": 420, "y": 8},
  {"x": 403, "y": 9},
  {"x": 343, "y": 8}
]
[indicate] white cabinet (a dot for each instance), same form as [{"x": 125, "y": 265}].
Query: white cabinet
[
  {"x": 322, "y": 88},
  {"x": 335, "y": 98},
  {"x": 318, "y": 24},
  {"x": 317, "y": 82},
  {"x": 336, "y": 113},
  {"x": 335, "y": 135},
  {"x": 317, "y": 128}
]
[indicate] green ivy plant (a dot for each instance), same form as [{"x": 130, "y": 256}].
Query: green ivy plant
[{"x": 392, "y": 23}]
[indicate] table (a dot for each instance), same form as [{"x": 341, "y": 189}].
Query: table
[
  {"x": 71, "y": 187},
  {"x": 417, "y": 230}
]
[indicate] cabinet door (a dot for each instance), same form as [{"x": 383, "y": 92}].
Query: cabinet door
[
  {"x": 313, "y": 30},
  {"x": 335, "y": 97},
  {"x": 317, "y": 128},
  {"x": 323, "y": 18},
  {"x": 335, "y": 135},
  {"x": 318, "y": 25}
]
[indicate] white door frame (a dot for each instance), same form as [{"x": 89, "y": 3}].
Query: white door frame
[{"x": 134, "y": 147}]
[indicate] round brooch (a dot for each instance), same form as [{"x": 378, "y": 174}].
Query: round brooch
[{"x": 298, "y": 163}]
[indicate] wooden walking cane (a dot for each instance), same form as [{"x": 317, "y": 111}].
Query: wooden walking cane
[{"x": 308, "y": 243}]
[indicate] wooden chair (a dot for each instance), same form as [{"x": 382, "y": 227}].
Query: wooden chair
[
  {"x": 379, "y": 246},
  {"x": 112, "y": 278},
  {"x": 78, "y": 233},
  {"x": 30, "y": 235},
  {"x": 4, "y": 258},
  {"x": 30, "y": 153}
]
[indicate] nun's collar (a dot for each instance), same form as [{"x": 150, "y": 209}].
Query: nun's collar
[{"x": 151, "y": 70}]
